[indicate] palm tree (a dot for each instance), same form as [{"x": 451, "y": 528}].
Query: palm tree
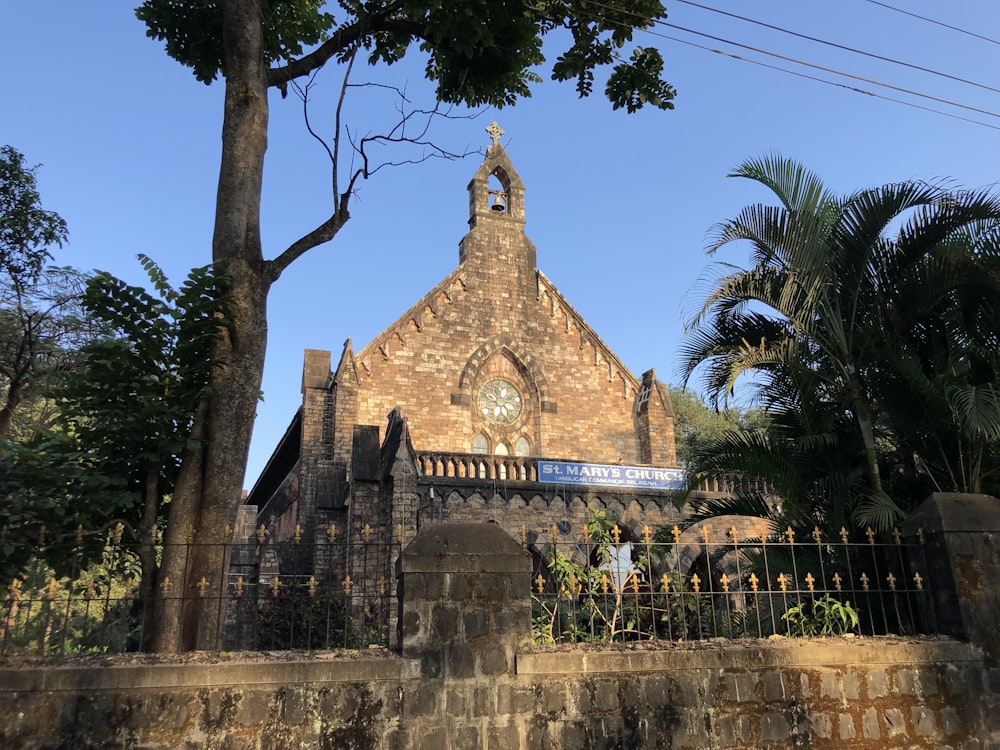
[{"x": 866, "y": 324}]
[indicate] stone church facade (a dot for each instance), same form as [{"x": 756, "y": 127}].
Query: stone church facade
[{"x": 470, "y": 407}]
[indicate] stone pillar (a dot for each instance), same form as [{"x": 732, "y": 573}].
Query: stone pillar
[
  {"x": 962, "y": 544},
  {"x": 466, "y": 601}
]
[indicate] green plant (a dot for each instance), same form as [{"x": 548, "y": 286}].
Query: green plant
[
  {"x": 608, "y": 591},
  {"x": 823, "y": 616}
]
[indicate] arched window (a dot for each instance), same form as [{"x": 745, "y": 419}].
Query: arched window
[
  {"x": 522, "y": 447},
  {"x": 481, "y": 444},
  {"x": 501, "y": 450}
]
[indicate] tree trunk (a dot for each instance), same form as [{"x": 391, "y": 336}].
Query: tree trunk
[
  {"x": 146, "y": 549},
  {"x": 14, "y": 397},
  {"x": 209, "y": 485}
]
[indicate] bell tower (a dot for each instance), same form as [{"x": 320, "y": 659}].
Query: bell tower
[{"x": 496, "y": 243}]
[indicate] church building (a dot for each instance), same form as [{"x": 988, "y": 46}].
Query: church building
[{"x": 490, "y": 399}]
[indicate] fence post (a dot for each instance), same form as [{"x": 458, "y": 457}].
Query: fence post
[
  {"x": 466, "y": 600},
  {"x": 961, "y": 535}
]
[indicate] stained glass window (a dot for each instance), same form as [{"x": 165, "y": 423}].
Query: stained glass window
[{"x": 499, "y": 402}]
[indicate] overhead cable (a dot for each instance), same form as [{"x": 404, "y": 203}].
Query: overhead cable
[
  {"x": 931, "y": 20},
  {"x": 855, "y": 89},
  {"x": 840, "y": 46},
  {"x": 828, "y": 70}
]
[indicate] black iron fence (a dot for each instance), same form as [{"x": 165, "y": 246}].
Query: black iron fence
[
  {"x": 667, "y": 585},
  {"x": 99, "y": 595}
]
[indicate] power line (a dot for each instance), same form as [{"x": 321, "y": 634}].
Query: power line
[
  {"x": 827, "y": 70},
  {"x": 818, "y": 67},
  {"x": 931, "y": 20},
  {"x": 840, "y": 46},
  {"x": 823, "y": 80}
]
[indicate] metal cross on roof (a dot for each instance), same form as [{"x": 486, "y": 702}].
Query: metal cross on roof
[{"x": 495, "y": 132}]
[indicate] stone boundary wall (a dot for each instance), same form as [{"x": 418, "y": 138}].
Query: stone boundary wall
[
  {"x": 468, "y": 677},
  {"x": 781, "y": 693}
]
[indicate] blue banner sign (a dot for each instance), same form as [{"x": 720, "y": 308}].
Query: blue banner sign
[{"x": 603, "y": 475}]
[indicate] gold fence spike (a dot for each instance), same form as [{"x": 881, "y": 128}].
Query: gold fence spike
[
  {"x": 605, "y": 583},
  {"x": 783, "y": 581},
  {"x": 165, "y": 586},
  {"x": 665, "y": 581},
  {"x": 312, "y": 585},
  {"x": 891, "y": 579},
  {"x": 554, "y": 531},
  {"x": 261, "y": 534},
  {"x": 366, "y": 533},
  {"x": 810, "y": 581},
  {"x": 676, "y": 533},
  {"x": 837, "y": 581},
  {"x": 734, "y": 535},
  {"x": 864, "y": 581},
  {"x": 870, "y": 533},
  {"x": 634, "y": 579},
  {"x": 705, "y": 532},
  {"x": 574, "y": 584},
  {"x": 616, "y": 534},
  {"x": 897, "y": 536},
  {"x": 239, "y": 587},
  {"x": 725, "y": 583},
  {"x": 696, "y": 583},
  {"x": 763, "y": 531},
  {"x": 790, "y": 535},
  {"x": 347, "y": 585},
  {"x": 843, "y": 535},
  {"x": 381, "y": 586},
  {"x": 524, "y": 534},
  {"x": 754, "y": 582},
  {"x": 202, "y": 586},
  {"x": 399, "y": 532},
  {"x": 540, "y": 583},
  {"x": 229, "y": 532},
  {"x": 331, "y": 532},
  {"x": 275, "y": 585},
  {"x": 297, "y": 535},
  {"x": 817, "y": 535},
  {"x": 647, "y": 534},
  {"x": 919, "y": 581},
  {"x": 920, "y": 534}
]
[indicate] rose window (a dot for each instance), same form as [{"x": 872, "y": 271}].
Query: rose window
[{"x": 499, "y": 402}]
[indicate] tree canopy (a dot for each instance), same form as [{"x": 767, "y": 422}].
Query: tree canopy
[
  {"x": 27, "y": 231},
  {"x": 478, "y": 53}
]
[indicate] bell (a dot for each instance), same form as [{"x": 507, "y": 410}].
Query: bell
[{"x": 498, "y": 205}]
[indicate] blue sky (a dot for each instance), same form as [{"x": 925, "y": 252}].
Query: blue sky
[{"x": 618, "y": 205}]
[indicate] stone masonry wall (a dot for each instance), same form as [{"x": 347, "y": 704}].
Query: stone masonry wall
[
  {"x": 469, "y": 679},
  {"x": 817, "y": 694}
]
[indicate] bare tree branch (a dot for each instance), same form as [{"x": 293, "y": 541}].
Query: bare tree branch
[{"x": 397, "y": 136}]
